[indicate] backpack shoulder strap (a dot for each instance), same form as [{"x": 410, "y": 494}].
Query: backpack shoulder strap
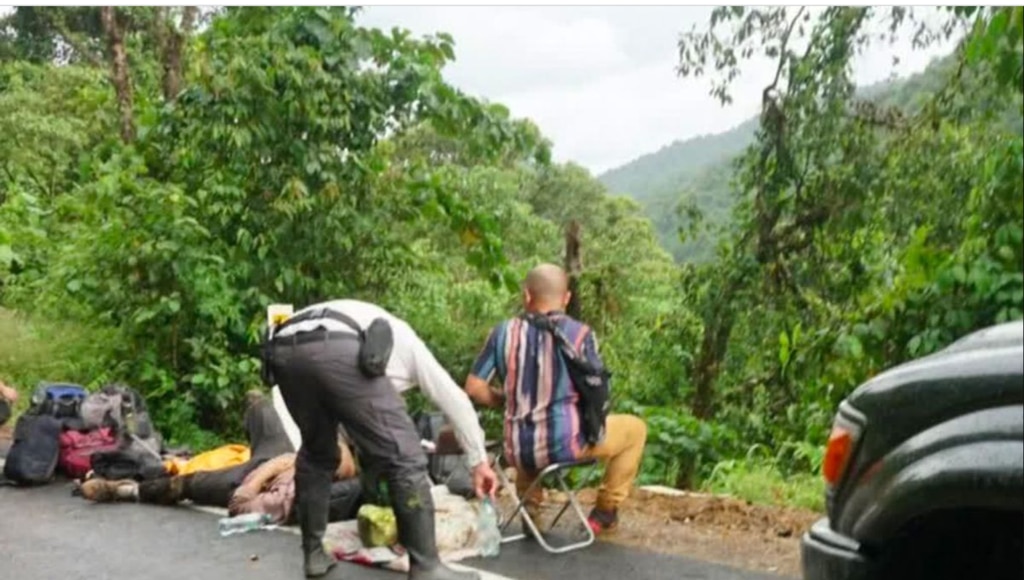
[{"x": 544, "y": 323}]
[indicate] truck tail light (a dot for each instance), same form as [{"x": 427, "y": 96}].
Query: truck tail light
[
  {"x": 839, "y": 450},
  {"x": 837, "y": 454}
]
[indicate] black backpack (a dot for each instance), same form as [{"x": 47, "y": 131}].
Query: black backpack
[
  {"x": 32, "y": 458},
  {"x": 129, "y": 462},
  {"x": 447, "y": 470},
  {"x": 591, "y": 381}
]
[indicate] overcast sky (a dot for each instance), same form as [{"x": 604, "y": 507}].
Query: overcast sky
[{"x": 600, "y": 81}]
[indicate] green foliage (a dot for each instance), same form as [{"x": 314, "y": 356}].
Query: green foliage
[
  {"x": 760, "y": 481},
  {"x": 681, "y": 449},
  {"x": 997, "y": 39},
  {"x": 41, "y": 34},
  {"x": 858, "y": 242},
  {"x": 239, "y": 195}
]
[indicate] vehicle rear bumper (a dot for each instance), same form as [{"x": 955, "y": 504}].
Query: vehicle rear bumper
[{"x": 827, "y": 555}]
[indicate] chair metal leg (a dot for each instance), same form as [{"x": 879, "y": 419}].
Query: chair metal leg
[
  {"x": 565, "y": 506},
  {"x": 590, "y": 536},
  {"x": 520, "y": 510}
]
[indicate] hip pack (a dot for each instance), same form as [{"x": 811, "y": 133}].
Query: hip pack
[{"x": 375, "y": 342}]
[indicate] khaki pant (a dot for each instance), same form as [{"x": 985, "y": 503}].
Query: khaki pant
[{"x": 620, "y": 452}]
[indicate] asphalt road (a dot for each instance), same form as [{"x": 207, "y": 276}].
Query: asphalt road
[{"x": 47, "y": 534}]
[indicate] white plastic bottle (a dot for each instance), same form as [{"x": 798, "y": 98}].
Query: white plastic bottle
[
  {"x": 489, "y": 534},
  {"x": 243, "y": 523}
]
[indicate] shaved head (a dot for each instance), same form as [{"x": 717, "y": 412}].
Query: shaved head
[{"x": 547, "y": 285}]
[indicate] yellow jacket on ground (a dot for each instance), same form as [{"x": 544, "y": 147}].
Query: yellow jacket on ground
[{"x": 212, "y": 460}]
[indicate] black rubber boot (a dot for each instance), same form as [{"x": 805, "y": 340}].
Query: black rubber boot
[
  {"x": 414, "y": 512},
  {"x": 316, "y": 561},
  {"x": 312, "y": 491}
]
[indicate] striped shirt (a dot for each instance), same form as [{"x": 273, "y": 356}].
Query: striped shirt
[{"x": 542, "y": 422}]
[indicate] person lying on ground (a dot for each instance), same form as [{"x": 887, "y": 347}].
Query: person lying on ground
[
  {"x": 542, "y": 418},
  {"x": 8, "y": 396},
  {"x": 264, "y": 484}
]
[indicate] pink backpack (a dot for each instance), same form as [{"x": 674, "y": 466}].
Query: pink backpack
[{"x": 77, "y": 447}]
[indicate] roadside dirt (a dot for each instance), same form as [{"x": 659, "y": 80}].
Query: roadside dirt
[{"x": 717, "y": 529}]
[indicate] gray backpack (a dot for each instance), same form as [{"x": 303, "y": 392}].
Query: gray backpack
[
  {"x": 101, "y": 409},
  {"x": 123, "y": 409}
]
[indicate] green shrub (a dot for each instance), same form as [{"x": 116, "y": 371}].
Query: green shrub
[{"x": 761, "y": 481}]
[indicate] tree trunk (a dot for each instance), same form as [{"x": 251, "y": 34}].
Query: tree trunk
[
  {"x": 119, "y": 70},
  {"x": 172, "y": 52},
  {"x": 718, "y": 323},
  {"x": 573, "y": 266},
  {"x": 161, "y": 31}
]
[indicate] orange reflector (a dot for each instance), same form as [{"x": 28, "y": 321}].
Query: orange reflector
[{"x": 836, "y": 454}]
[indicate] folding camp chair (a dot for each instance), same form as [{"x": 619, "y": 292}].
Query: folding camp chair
[{"x": 558, "y": 472}]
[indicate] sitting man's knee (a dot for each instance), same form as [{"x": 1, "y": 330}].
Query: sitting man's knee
[{"x": 630, "y": 426}]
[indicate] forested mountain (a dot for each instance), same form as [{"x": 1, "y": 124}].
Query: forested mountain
[
  {"x": 648, "y": 176},
  {"x": 695, "y": 173},
  {"x": 696, "y": 169}
]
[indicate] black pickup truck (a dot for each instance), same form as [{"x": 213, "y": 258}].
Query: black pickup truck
[{"x": 925, "y": 469}]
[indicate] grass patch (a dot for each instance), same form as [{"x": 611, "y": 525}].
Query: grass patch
[
  {"x": 761, "y": 482},
  {"x": 34, "y": 350}
]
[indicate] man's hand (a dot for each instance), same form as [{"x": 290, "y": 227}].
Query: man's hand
[
  {"x": 8, "y": 393},
  {"x": 485, "y": 481},
  {"x": 482, "y": 394}
]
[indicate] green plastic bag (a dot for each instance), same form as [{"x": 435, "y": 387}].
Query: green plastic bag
[{"x": 377, "y": 526}]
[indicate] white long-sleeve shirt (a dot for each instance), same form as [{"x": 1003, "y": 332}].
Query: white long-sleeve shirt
[{"x": 411, "y": 364}]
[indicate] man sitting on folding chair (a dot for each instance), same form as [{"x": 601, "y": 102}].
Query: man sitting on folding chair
[{"x": 542, "y": 416}]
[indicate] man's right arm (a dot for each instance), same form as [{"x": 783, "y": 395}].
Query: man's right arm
[
  {"x": 478, "y": 383},
  {"x": 481, "y": 393}
]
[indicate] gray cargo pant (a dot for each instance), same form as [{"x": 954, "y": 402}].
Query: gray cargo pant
[{"x": 322, "y": 386}]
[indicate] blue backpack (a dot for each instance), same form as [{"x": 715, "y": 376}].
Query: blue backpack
[{"x": 58, "y": 400}]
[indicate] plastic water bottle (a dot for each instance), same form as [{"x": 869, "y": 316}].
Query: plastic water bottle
[
  {"x": 243, "y": 523},
  {"x": 489, "y": 534}
]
